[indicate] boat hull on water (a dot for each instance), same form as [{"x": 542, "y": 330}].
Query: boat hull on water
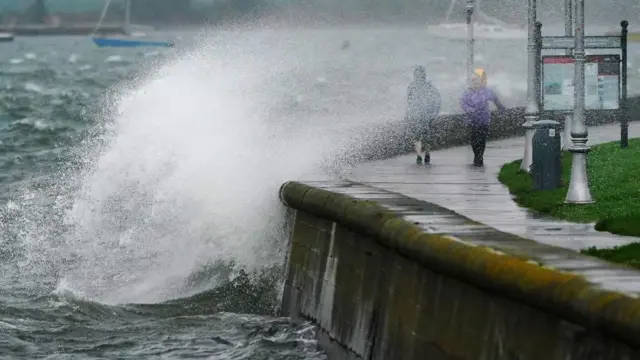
[
  {"x": 6, "y": 37},
  {"x": 129, "y": 43},
  {"x": 480, "y": 31}
]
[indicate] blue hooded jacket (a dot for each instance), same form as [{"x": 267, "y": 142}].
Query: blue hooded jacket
[{"x": 423, "y": 99}]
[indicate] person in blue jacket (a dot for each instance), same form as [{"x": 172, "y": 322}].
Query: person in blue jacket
[{"x": 423, "y": 105}]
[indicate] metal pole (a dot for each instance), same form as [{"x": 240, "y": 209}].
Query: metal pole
[
  {"x": 568, "y": 31},
  {"x": 624, "y": 118},
  {"x": 127, "y": 17},
  {"x": 470, "y": 8},
  {"x": 539, "y": 63},
  {"x": 568, "y": 21},
  {"x": 532, "y": 111},
  {"x": 579, "y": 192}
]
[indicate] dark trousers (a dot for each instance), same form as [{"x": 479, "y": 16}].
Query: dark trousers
[{"x": 478, "y": 139}]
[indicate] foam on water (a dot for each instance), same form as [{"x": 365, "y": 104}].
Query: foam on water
[
  {"x": 114, "y": 59},
  {"x": 188, "y": 175}
]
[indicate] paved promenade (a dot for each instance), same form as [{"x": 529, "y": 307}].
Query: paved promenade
[{"x": 477, "y": 194}]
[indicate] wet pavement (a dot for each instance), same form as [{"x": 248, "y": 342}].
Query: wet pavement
[{"x": 476, "y": 193}]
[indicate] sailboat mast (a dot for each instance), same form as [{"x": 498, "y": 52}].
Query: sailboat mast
[
  {"x": 486, "y": 18},
  {"x": 102, "y": 16},
  {"x": 452, "y": 4},
  {"x": 127, "y": 16}
]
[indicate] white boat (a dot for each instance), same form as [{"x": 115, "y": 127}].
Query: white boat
[
  {"x": 6, "y": 37},
  {"x": 480, "y": 31},
  {"x": 486, "y": 28}
]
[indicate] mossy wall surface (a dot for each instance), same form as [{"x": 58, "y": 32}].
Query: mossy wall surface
[{"x": 380, "y": 288}]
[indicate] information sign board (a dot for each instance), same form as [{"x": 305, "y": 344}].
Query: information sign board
[
  {"x": 590, "y": 42},
  {"x": 602, "y": 82}
]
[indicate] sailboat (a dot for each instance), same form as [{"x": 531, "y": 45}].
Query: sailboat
[{"x": 128, "y": 41}]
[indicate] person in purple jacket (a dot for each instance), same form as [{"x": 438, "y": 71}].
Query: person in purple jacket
[{"x": 475, "y": 104}]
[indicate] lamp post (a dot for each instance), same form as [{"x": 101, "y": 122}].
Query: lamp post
[
  {"x": 578, "y": 192},
  {"x": 568, "y": 31},
  {"x": 532, "y": 110},
  {"x": 539, "y": 63},
  {"x": 624, "y": 120},
  {"x": 470, "y": 8}
]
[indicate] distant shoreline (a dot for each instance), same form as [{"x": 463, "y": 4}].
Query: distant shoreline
[
  {"x": 72, "y": 29},
  {"x": 270, "y": 21}
]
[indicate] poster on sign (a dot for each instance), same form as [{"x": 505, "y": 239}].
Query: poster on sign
[{"x": 602, "y": 82}]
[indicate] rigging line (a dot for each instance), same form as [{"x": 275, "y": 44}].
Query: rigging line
[
  {"x": 105, "y": 8},
  {"x": 452, "y": 4}
]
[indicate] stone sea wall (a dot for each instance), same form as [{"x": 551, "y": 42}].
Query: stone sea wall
[{"x": 378, "y": 287}]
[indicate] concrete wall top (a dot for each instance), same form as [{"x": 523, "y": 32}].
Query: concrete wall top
[{"x": 567, "y": 294}]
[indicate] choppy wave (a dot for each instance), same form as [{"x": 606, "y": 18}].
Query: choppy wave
[
  {"x": 208, "y": 323},
  {"x": 220, "y": 335},
  {"x": 55, "y": 119}
]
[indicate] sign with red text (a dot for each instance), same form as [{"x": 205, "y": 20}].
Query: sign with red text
[{"x": 602, "y": 82}]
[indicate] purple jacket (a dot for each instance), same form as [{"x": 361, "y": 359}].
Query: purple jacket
[{"x": 475, "y": 103}]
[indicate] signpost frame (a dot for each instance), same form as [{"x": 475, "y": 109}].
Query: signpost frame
[{"x": 612, "y": 42}]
